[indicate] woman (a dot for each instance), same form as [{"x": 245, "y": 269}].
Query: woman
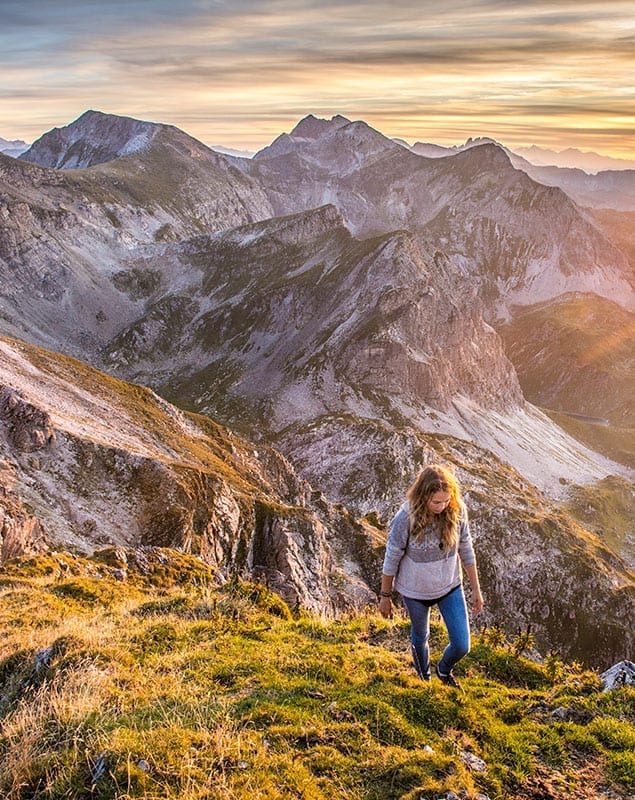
[{"x": 427, "y": 536}]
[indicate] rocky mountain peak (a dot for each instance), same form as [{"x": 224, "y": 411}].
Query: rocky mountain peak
[
  {"x": 306, "y": 132},
  {"x": 93, "y": 138},
  {"x": 488, "y": 155},
  {"x": 312, "y": 127}
]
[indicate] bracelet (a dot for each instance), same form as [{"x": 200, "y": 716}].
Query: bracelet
[{"x": 385, "y": 594}]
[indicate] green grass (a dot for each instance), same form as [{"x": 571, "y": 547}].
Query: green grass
[{"x": 156, "y": 687}]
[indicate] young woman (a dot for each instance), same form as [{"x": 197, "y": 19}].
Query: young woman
[{"x": 428, "y": 536}]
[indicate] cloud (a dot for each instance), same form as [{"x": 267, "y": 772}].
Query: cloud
[{"x": 219, "y": 64}]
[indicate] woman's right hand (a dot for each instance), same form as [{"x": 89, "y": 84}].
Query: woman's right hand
[{"x": 385, "y": 607}]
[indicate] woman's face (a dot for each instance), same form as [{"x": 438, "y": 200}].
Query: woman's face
[{"x": 438, "y": 501}]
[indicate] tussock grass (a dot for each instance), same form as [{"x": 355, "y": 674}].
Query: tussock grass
[{"x": 154, "y": 687}]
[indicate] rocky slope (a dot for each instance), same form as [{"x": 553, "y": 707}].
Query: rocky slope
[
  {"x": 95, "y": 461},
  {"x": 293, "y": 318},
  {"x": 93, "y": 138},
  {"x": 89, "y": 460},
  {"x": 528, "y": 549}
]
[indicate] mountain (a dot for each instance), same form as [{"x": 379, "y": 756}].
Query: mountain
[
  {"x": 89, "y": 267},
  {"x": 70, "y": 238},
  {"x": 291, "y": 320},
  {"x": 153, "y": 168},
  {"x": 572, "y": 158},
  {"x": 575, "y": 354},
  {"x": 613, "y": 187},
  {"x": 430, "y": 150},
  {"x": 354, "y": 338},
  {"x": 13, "y": 148},
  {"x": 307, "y": 130},
  {"x": 93, "y": 138},
  {"x": 520, "y": 241},
  {"x": 574, "y": 357},
  {"x": 608, "y": 189},
  {"x": 89, "y": 460}
]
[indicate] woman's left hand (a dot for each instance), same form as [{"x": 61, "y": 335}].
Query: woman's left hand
[{"x": 477, "y": 604}]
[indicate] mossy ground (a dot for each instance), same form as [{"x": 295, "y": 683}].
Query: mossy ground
[{"x": 155, "y": 687}]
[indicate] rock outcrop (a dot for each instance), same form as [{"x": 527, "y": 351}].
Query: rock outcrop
[
  {"x": 102, "y": 462},
  {"x": 620, "y": 674}
]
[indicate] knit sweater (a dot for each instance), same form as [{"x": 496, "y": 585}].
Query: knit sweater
[{"x": 422, "y": 569}]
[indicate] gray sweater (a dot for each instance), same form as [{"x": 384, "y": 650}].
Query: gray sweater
[{"x": 422, "y": 569}]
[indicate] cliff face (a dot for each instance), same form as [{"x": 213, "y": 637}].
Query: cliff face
[{"x": 388, "y": 318}]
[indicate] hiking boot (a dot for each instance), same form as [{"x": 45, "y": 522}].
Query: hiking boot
[{"x": 449, "y": 679}]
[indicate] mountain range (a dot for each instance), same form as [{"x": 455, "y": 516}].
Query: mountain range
[
  {"x": 589, "y": 179},
  {"x": 571, "y": 158},
  {"x": 13, "y": 148},
  {"x": 338, "y": 297}
]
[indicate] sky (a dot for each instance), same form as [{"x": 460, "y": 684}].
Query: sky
[{"x": 557, "y": 73}]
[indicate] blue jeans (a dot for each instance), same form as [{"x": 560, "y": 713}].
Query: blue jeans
[{"x": 454, "y": 613}]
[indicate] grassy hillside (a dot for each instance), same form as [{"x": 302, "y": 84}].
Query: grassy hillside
[
  {"x": 608, "y": 509},
  {"x": 619, "y": 227},
  {"x": 133, "y": 675},
  {"x": 575, "y": 354},
  {"x": 611, "y": 440}
]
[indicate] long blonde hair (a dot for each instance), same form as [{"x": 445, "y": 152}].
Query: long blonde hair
[{"x": 435, "y": 478}]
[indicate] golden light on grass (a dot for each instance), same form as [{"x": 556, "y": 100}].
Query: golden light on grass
[{"x": 185, "y": 692}]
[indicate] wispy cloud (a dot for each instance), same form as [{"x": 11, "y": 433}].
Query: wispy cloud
[{"x": 556, "y": 73}]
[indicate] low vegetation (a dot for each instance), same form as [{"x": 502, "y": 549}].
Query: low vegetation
[{"x": 150, "y": 680}]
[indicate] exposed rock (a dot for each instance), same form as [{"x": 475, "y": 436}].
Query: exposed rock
[
  {"x": 620, "y": 674},
  {"x": 98, "y": 768},
  {"x": 260, "y": 350},
  {"x": 473, "y": 762},
  {"x": 28, "y": 428},
  {"x": 71, "y": 236},
  {"x": 20, "y": 531},
  {"x": 520, "y": 241},
  {"x": 92, "y": 139}
]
